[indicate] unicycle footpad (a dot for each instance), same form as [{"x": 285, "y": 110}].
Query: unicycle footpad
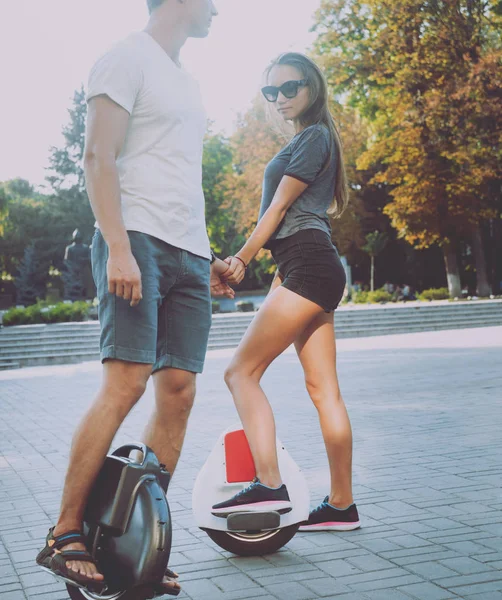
[{"x": 253, "y": 521}]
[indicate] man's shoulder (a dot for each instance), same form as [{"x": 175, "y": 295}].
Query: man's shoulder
[{"x": 128, "y": 48}]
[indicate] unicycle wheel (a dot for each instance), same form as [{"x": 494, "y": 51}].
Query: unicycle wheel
[
  {"x": 134, "y": 594},
  {"x": 253, "y": 543}
]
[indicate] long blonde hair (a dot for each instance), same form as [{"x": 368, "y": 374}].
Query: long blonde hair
[{"x": 318, "y": 112}]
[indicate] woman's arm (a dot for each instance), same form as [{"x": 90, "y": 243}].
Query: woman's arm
[{"x": 288, "y": 191}]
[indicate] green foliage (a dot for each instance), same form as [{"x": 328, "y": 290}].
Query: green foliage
[
  {"x": 427, "y": 76},
  {"x": 434, "y": 294},
  {"x": 215, "y": 307},
  {"x": 47, "y": 220},
  {"x": 360, "y": 297},
  {"x": 226, "y": 232},
  {"x": 375, "y": 243},
  {"x": 244, "y": 306},
  {"x": 379, "y": 296},
  {"x": 216, "y": 164},
  {"x": 17, "y": 316},
  {"x": 29, "y": 284},
  {"x": 69, "y": 204},
  {"x": 40, "y": 313},
  {"x": 62, "y": 312}
]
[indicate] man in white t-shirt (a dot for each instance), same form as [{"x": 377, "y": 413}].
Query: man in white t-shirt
[{"x": 150, "y": 254}]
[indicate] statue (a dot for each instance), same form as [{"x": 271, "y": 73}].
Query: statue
[{"x": 77, "y": 274}]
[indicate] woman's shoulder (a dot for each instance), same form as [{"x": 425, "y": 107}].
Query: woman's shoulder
[{"x": 318, "y": 134}]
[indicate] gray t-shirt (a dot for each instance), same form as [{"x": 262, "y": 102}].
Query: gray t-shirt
[{"x": 303, "y": 158}]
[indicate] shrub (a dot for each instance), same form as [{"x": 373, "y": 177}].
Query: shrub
[
  {"x": 361, "y": 297},
  {"x": 215, "y": 307},
  {"x": 434, "y": 294},
  {"x": 379, "y": 296},
  {"x": 40, "y": 313},
  {"x": 243, "y": 306},
  {"x": 15, "y": 316},
  {"x": 63, "y": 313}
]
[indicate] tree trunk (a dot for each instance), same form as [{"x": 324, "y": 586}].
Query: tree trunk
[
  {"x": 372, "y": 285},
  {"x": 482, "y": 285},
  {"x": 452, "y": 272}
]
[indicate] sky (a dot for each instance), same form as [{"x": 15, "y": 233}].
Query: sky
[{"x": 47, "y": 48}]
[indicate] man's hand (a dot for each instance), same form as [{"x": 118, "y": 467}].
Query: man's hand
[
  {"x": 124, "y": 276},
  {"x": 219, "y": 287}
]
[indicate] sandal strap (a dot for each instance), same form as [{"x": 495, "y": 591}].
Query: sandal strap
[
  {"x": 70, "y": 537},
  {"x": 171, "y": 574},
  {"x": 79, "y": 555}
]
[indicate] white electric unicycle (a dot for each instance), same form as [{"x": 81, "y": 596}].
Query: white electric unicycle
[{"x": 229, "y": 469}]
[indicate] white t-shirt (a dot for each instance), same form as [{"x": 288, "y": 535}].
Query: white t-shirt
[{"x": 160, "y": 165}]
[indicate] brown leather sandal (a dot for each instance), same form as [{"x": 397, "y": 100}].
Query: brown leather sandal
[{"x": 54, "y": 560}]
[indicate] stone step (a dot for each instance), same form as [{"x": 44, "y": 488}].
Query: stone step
[
  {"x": 37, "y": 351},
  {"x": 19, "y": 335},
  {"x": 76, "y": 342},
  {"x": 81, "y": 355},
  {"x": 8, "y": 364},
  {"x": 345, "y": 333},
  {"x": 59, "y": 358},
  {"x": 74, "y": 338}
]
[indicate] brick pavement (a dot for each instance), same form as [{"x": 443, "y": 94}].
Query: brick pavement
[{"x": 425, "y": 410}]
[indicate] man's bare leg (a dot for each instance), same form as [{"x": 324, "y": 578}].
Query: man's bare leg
[
  {"x": 123, "y": 385},
  {"x": 174, "y": 396}
]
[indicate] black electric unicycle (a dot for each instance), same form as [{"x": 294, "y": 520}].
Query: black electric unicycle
[{"x": 128, "y": 528}]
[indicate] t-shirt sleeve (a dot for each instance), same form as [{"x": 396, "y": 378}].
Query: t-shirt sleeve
[
  {"x": 309, "y": 153},
  {"x": 117, "y": 75}
]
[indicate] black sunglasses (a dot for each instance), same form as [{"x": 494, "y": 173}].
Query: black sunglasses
[{"x": 289, "y": 89}]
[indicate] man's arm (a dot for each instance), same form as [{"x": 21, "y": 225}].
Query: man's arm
[{"x": 106, "y": 130}]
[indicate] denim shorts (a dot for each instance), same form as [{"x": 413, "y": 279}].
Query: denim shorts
[
  {"x": 309, "y": 265},
  {"x": 170, "y": 326}
]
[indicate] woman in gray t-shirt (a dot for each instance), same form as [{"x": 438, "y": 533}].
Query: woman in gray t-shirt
[{"x": 303, "y": 184}]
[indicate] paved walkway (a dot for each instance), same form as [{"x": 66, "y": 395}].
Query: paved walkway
[{"x": 426, "y": 414}]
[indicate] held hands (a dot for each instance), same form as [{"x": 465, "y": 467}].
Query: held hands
[
  {"x": 236, "y": 269},
  {"x": 124, "y": 276},
  {"x": 219, "y": 286}
]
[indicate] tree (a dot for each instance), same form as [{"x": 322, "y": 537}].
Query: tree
[
  {"x": 220, "y": 219},
  {"x": 4, "y": 200},
  {"x": 46, "y": 221},
  {"x": 29, "y": 285},
  {"x": 68, "y": 202},
  {"x": 412, "y": 69},
  {"x": 375, "y": 243},
  {"x": 26, "y": 221},
  {"x": 253, "y": 145}
]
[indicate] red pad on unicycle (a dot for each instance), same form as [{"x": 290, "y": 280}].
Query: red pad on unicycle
[{"x": 239, "y": 461}]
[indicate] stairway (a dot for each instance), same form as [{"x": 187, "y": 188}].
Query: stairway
[{"x": 64, "y": 343}]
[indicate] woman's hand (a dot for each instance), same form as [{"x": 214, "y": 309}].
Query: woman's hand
[{"x": 236, "y": 270}]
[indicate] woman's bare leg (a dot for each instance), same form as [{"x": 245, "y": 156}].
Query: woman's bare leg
[
  {"x": 316, "y": 348},
  {"x": 280, "y": 320}
]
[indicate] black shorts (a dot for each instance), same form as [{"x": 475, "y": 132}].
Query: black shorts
[{"x": 309, "y": 265}]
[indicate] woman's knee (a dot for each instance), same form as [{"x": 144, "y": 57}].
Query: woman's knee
[
  {"x": 234, "y": 374},
  {"x": 230, "y": 375},
  {"x": 322, "y": 392}
]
